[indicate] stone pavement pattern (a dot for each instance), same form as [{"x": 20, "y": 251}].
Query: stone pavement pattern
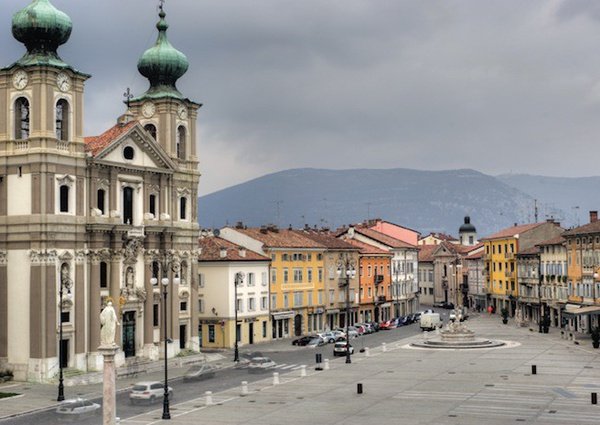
[{"x": 410, "y": 386}]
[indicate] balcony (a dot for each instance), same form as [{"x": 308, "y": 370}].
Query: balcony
[
  {"x": 509, "y": 274},
  {"x": 380, "y": 299},
  {"x": 509, "y": 255}
]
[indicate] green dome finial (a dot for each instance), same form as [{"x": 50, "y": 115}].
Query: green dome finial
[
  {"x": 162, "y": 64},
  {"x": 42, "y": 28}
]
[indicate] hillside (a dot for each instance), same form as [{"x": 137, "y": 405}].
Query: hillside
[{"x": 422, "y": 200}]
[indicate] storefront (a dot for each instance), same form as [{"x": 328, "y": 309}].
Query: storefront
[{"x": 281, "y": 324}]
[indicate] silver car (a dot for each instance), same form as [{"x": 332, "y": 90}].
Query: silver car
[
  {"x": 201, "y": 371},
  {"x": 149, "y": 391},
  {"x": 77, "y": 407}
]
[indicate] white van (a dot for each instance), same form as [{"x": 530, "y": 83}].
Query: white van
[{"x": 430, "y": 321}]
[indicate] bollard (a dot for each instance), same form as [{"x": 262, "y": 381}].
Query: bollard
[
  {"x": 383, "y": 347},
  {"x": 275, "y": 378},
  {"x": 318, "y": 358},
  {"x": 244, "y": 388},
  {"x": 359, "y": 389},
  {"x": 326, "y": 364},
  {"x": 208, "y": 401},
  {"x": 594, "y": 398},
  {"x": 303, "y": 370},
  {"x": 533, "y": 369},
  {"x": 367, "y": 352}
]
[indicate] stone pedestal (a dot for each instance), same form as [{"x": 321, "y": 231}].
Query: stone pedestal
[{"x": 109, "y": 389}]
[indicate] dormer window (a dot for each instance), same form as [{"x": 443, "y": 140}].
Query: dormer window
[
  {"x": 151, "y": 129},
  {"x": 21, "y": 118},
  {"x": 62, "y": 120}
]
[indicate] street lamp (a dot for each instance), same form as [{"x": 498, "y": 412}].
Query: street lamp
[
  {"x": 239, "y": 279},
  {"x": 165, "y": 284},
  {"x": 346, "y": 268},
  {"x": 65, "y": 283}
]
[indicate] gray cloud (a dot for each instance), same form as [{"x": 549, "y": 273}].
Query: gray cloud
[{"x": 495, "y": 86}]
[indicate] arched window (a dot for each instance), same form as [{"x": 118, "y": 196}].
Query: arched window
[
  {"x": 62, "y": 120},
  {"x": 181, "y": 142},
  {"x": 127, "y": 205},
  {"x": 151, "y": 128},
  {"x": 182, "y": 208},
  {"x": 152, "y": 205},
  {"x": 101, "y": 200},
  {"x": 64, "y": 198},
  {"x": 21, "y": 118}
]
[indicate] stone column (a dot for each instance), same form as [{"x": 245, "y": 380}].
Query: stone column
[
  {"x": 148, "y": 304},
  {"x": 94, "y": 302},
  {"x": 80, "y": 285},
  {"x": 109, "y": 386},
  {"x": 193, "y": 308},
  {"x": 115, "y": 289}
]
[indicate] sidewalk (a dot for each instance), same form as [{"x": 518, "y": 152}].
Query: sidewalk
[
  {"x": 410, "y": 386},
  {"x": 37, "y": 397}
]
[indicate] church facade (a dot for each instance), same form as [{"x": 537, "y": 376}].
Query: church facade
[{"x": 110, "y": 217}]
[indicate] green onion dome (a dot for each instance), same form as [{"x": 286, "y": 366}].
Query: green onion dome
[
  {"x": 42, "y": 28},
  {"x": 162, "y": 64}
]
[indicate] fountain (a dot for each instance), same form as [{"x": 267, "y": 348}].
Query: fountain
[{"x": 456, "y": 335}]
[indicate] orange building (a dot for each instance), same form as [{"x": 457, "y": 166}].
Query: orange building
[{"x": 374, "y": 281}]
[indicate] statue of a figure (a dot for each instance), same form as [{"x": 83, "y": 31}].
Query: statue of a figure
[
  {"x": 129, "y": 278},
  {"x": 108, "y": 320}
]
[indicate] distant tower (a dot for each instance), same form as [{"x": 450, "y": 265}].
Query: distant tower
[{"x": 467, "y": 234}]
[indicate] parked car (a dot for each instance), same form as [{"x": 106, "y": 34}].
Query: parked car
[
  {"x": 387, "y": 325},
  {"x": 260, "y": 364},
  {"x": 332, "y": 336},
  {"x": 303, "y": 340},
  {"x": 351, "y": 331},
  {"x": 77, "y": 407},
  {"x": 430, "y": 321},
  {"x": 149, "y": 391},
  {"x": 246, "y": 357},
  {"x": 375, "y": 326},
  {"x": 316, "y": 342},
  {"x": 200, "y": 371},
  {"x": 340, "y": 348}
]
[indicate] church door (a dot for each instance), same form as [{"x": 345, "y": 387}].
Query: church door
[{"x": 129, "y": 333}]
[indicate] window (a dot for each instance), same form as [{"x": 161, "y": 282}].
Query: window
[
  {"x": 201, "y": 280},
  {"x": 239, "y": 305},
  {"x": 264, "y": 329},
  {"x": 298, "y": 299},
  {"x": 127, "y": 205},
  {"x": 155, "y": 318},
  {"x": 251, "y": 304},
  {"x": 369, "y": 292},
  {"x": 273, "y": 301},
  {"x": 286, "y": 300},
  {"x": 103, "y": 275},
  {"x": 320, "y": 297},
  {"x": 64, "y": 198},
  {"x": 263, "y": 278},
  {"x": 128, "y": 153},
  {"x": 264, "y": 303},
  {"x": 62, "y": 120},
  {"x": 65, "y": 316},
  {"x": 273, "y": 275},
  {"x": 21, "y": 118},
  {"x": 101, "y": 198},
  {"x": 319, "y": 257},
  {"x": 369, "y": 271},
  {"x": 180, "y": 142},
  {"x": 183, "y": 306},
  {"x": 151, "y": 129},
  {"x": 309, "y": 274},
  {"x": 284, "y": 257},
  {"x": 286, "y": 276},
  {"x": 251, "y": 280},
  {"x": 211, "y": 333},
  {"x": 182, "y": 208},
  {"x": 155, "y": 269},
  {"x": 200, "y": 305},
  {"x": 308, "y": 257},
  {"x": 331, "y": 296},
  {"x": 297, "y": 275},
  {"x": 310, "y": 299},
  {"x": 320, "y": 273},
  {"x": 152, "y": 205}
]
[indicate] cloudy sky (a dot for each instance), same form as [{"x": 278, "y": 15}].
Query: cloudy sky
[{"x": 498, "y": 86}]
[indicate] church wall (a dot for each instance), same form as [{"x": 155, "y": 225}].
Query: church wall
[
  {"x": 18, "y": 275},
  {"x": 19, "y": 194}
]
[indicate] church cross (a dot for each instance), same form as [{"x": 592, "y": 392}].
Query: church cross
[{"x": 128, "y": 96}]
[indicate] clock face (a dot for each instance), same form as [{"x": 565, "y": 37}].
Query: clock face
[
  {"x": 20, "y": 80},
  {"x": 182, "y": 112},
  {"x": 148, "y": 109},
  {"x": 63, "y": 82}
]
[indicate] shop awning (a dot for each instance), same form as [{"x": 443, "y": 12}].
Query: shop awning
[
  {"x": 283, "y": 315},
  {"x": 585, "y": 310}
]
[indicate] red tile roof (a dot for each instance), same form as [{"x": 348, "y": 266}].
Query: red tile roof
[
  {"x": 366, "y": 249},
  {"x": 593, "y": 227},
  {"x": 512, "y": 231},
  {"x": 326, "y": 239},
  {"x": 211, "y": 251},
  {"x": 529, "y": 251},
  {"x": 96, "y": 144},
  {"x": 426, "y": 252},
  {"x": 282, "y": 238},
  {"x": 559, "y": 240},
  {"x": 441, "y": 236},
  {"x": 383, "y": 239}
]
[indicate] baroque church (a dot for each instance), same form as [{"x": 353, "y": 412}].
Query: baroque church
[{"x": 110, "y": 217}]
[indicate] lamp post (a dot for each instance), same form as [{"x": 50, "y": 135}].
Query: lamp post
[
  {"x": 168, "y": 258},
  {"x": 65, "y": 283},
  {"x": 346, "y": 268},
  {"x": 396, "y": 285},
  {"x": 239, "y": 279}
]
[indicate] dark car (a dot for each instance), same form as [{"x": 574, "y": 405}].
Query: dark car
[
  {"x": 303, "y": 340},
  {"x": 448, "y": 306},
  {"x": 375, "y": 326},
  {"x": 403, "y": 321}
]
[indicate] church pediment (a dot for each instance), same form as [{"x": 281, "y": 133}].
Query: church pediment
[{"x": 129, "y": 145}]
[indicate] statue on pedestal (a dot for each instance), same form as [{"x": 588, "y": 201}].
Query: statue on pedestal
[{"x": 108, "y": 320}]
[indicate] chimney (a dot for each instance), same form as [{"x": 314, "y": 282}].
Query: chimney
[
  {"x": 242, "y": 252},
  {"x": 263, "y": 229},
  {"x": 593, "y": 216},
  {"x": 223, "y": 252},
  {"x": 239, "y": 225}
]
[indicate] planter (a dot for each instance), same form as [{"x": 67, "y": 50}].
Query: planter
[
  {"x": 505, "y": 321},
  {"x": 596, "y": 344}
]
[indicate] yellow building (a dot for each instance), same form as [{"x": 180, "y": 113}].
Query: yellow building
[
  {"x": 500, "y": 260},
  {"x": 297, "y": 281}
]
